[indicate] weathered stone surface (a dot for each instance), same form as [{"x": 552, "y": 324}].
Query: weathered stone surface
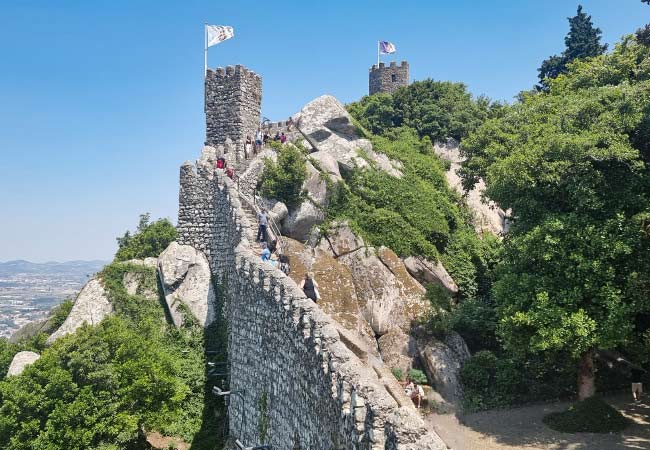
[
  {"x": 186, "y": 280},
  {"x": 321, "y": 395},
  {"x": 442, "y": 361},
  {"x": 20, "y": 361},
  {"x": 327, "y": 164},
  {"x": 135, "y": 283},
  {"x": 91, "y": 306},
  {"x": 310, "y": 212},
  {"x": 488, "y": 217},
  {"x": 389, "y": 296},
  {"x": 300, "y": 221},
  {"x": 328, "y": 127},
  {"x": 233, "y": 98},
  {"x": 398, "y": 349},
  {"x": 388, "y": 79},
  {"x": 426, "y": 271},
  {"x": 338, "y": 295}
]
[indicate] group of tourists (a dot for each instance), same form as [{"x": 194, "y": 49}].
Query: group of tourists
[
  {"x": 271, "y": 254},
  {"x": 254, "y": 146},
  {"x": 223, "y": 165}
]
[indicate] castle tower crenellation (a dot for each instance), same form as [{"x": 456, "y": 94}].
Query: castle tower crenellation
[
  {"x": 233, "y": 100},
  {"x": 388, "y": 79}
]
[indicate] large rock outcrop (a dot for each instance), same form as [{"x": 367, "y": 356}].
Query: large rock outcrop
[
  {"x": 20, "y": 361},
  {"x": 91, "y": 306},
  {"x": 426, "y": 271},
  {"x": 442, "y": 360},
  {"x": 328, "y": 127},
  {"x": 311, "y": 211},
  {"x": 135, "y": 283},
  {"x": 187, "y": 284},
  {"x": 488, "y": 217},
  {"x": 338, "y": 295},
  {"x": 388, "y": 295}
]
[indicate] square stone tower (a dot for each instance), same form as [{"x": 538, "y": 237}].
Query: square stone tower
[
  {"x": 388, "y": 79},
  {"x": 233, "y": 101}
]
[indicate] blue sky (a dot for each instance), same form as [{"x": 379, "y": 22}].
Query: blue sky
[{"x": 101, "y": 101}]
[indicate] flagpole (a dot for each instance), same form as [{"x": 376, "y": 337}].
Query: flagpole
[
  {"x": 205, "y": 51},
  {"x": 378, "y": 52}
]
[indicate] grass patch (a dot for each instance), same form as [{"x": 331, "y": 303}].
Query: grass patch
[{"x": 592, "y": 415}]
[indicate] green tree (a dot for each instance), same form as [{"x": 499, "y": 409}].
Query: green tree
[
  {"x": 582, "y": 41},
  {"x": 149, "y": 240},
  {"x": 437, "y": 109},
  {"x": 282, "y": 180},
  {"x": 573, "y": 167}
]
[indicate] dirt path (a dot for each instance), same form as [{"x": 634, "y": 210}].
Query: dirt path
[{"x": 522, "y": 428}]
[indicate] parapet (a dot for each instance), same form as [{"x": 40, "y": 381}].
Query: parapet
[
  {"x": 230, "y": 71},
  {"x": 402, "y": 65}
]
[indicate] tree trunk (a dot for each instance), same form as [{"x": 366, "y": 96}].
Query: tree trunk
[{"x": 586, "y": 375}]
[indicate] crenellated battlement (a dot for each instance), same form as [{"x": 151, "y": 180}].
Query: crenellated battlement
[
  {"x": 233, "y": 101},
  {"x": 382, "y": 78},
  {"x": 284, "y": 352}
]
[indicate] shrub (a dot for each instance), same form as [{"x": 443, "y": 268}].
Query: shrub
[
  {"x": 398, "y": 373},
  {"x": 417, "y": 376},
  {"x": 591, "y": 415},
  {"x": 149, "y": 240},
  {"x": 282, "y": 180}
]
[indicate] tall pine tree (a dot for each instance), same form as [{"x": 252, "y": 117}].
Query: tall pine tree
[{"x": 582, "y": 41}]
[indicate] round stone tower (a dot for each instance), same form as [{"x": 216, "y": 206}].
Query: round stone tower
[{"x": 388, "y": 79}]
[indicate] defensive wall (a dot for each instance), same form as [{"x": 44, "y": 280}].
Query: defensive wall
[
  {"x": 304, "y": 382},
  {"x": 304, "y": 387}
]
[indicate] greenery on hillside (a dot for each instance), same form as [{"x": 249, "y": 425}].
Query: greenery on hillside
[
  {"x": 105, "y": 386},
  {"x": 417, "y": 214},
  {"x": 283, "y": 179},
  {"x": 574, "y": 276},
  {"x": 435, "y": 109},
  {"x": 149, "y": 239}
]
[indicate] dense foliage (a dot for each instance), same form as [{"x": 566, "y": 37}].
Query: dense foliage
[
  {"x": 582, "y": 41},
  {"x": 417, "y": 214},
  {"x": 105, "y": 386},
  {"x": 149, "y": 240},
  {"x": 436, "y": 109},
  {"x": 573, "y": 166},
  {"x": 283, "y": 179}
]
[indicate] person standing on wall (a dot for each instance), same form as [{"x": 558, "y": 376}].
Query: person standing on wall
[
  {"x": 262, "y": 222},
  {"x": 310, "y": 287},
  {"x": 248, "y": 148},
  {"x": 258, "y": 141}
]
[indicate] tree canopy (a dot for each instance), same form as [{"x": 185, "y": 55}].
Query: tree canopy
[
  {"x": 582, "y": 41},
  {"x": 149, "y": 240},
  {"x": 572, "y": 164},
  {"x": 437, "y": 109}
]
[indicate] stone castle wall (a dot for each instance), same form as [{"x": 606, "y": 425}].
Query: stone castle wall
[
  {"x": 303, "y": 387},
  {"x": 233, "y": 99},
  {"x": 388, "y": 79}
]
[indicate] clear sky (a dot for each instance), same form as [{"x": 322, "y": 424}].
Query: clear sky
[{"x": 101, "y": 101}]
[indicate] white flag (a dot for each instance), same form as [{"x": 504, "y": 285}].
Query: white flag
[
  {"x": 218, "y": 34},
  {"x": 386, "y": 48}
]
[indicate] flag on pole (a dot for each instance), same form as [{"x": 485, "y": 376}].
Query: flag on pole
[
  {"x": 216, "y": 34},
  {"x": 386, "y": 48}
]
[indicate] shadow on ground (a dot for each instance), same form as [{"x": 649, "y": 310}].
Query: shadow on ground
[{"x": 522, "y": 428}]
